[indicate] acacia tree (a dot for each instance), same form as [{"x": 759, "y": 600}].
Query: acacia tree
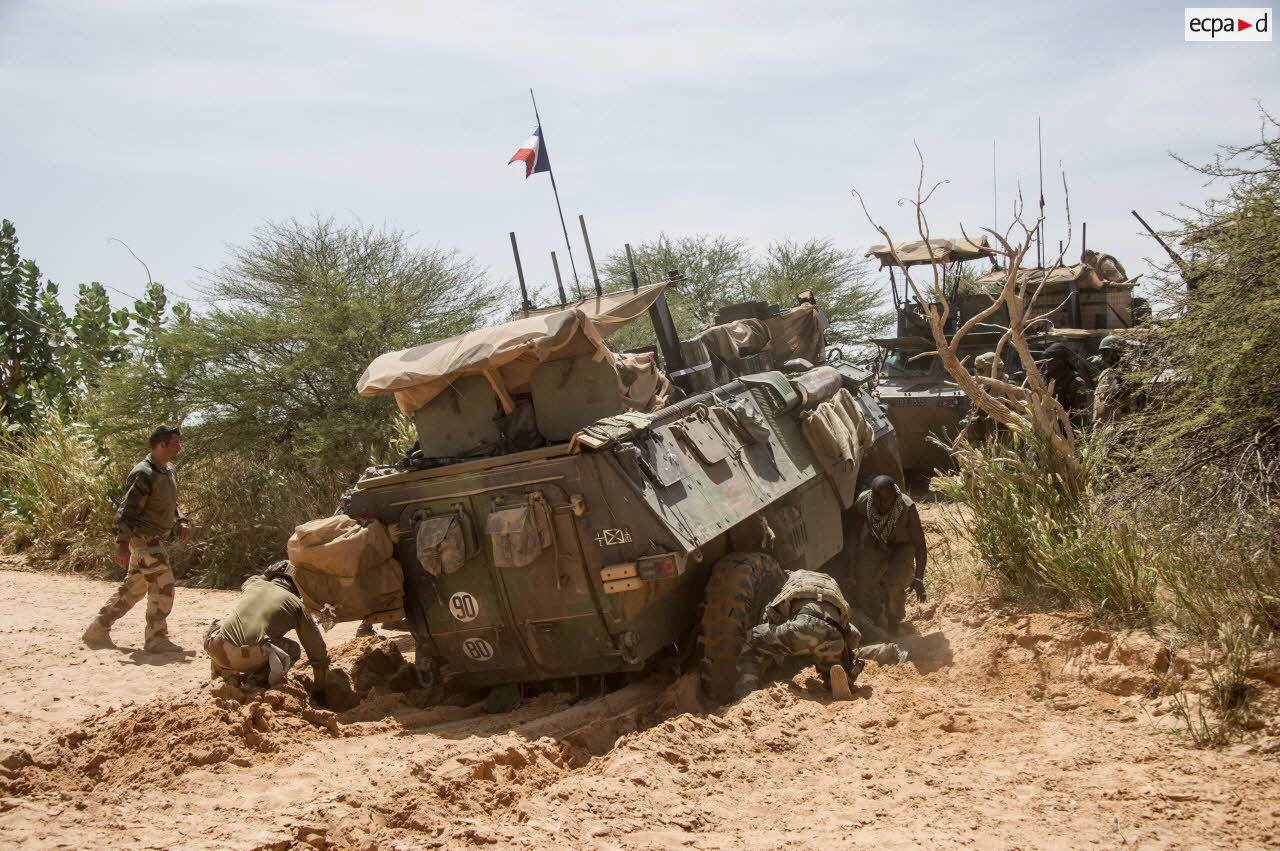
[
  {"x": 1027, "y": 409},
  {"x": 841, "y": 280},
  {"x": 294, "y": 317},
  {"x": 1216, "y": 354},
  {"x": 715, "y": 268},
  {"x": 720, "y": 270}
]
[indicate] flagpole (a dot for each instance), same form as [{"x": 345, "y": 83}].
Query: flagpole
[{"x": 551, "y": 171}]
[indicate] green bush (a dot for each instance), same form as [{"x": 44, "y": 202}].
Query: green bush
[
  {"x": 243, "y": 508},
  {"x": 1041, "y": 536}
]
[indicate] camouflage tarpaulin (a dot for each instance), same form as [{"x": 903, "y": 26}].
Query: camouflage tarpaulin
[
  {"x": 935, "y": 251},
  {"x": 509, "y": 352}
]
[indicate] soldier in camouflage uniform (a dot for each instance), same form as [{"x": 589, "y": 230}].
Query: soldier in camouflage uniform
[
  {"x": 249, "y": 645},
  {"x": 809, "y": 620},
  {"x": 1071, "y": 387},
  {"x": 1114, "y": 396},
  {"x": 145, "y": 522},
  {"x": 889, "y": 541}
]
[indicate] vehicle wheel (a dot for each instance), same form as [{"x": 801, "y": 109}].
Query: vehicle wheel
[{"x": 741, "y": 585}]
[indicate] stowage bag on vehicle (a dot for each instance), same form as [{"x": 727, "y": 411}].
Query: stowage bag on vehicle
[{"x": 345, "y": 571}]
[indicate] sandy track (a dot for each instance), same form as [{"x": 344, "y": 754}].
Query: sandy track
[
  {"x": 52, "y": 680},
  {"x": 988, "y": 739}
]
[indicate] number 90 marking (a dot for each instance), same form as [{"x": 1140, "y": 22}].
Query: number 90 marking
[{"x": 464, "y": 607}]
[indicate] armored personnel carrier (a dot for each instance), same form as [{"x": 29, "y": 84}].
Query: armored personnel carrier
[
  {"x": 1078, "y": 305},
  {"x": 575, "y": 511},
  {"x": 923, "y": 403}
]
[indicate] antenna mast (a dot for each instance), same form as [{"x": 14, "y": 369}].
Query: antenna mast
[
  {"x": 995, "y": 203},
  {"x": 1040, "y": 230}
]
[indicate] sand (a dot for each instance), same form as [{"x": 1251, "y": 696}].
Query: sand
[{"x": 1005, "y": 730}]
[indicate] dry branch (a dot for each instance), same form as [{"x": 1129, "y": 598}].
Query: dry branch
[{"x": 1027, "y": 409}]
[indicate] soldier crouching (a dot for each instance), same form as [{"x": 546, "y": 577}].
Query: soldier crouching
[
  {"x": 808, "y": 620},
  {"x": 249, "y": 646}
]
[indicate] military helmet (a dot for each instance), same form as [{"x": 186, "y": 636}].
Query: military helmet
[
  {"x": 1112, "y": 342},
  {"x": 281, "y": 572}
]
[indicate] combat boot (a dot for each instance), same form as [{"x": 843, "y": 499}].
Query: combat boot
[
  {"x": 97, "y": 637},
  {"x": 162, "y": 644}
]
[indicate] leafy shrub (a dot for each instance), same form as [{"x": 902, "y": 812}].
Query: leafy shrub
[{"x": 1040, "y": 534}]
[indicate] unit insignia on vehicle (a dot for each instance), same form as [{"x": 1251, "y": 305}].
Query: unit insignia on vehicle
[{"x": 613, "y": 537}]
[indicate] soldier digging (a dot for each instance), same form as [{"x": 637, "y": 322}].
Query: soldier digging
[
  {"x": 808, "y": 621},
  {"x": 249, "y": 645},
  {"x": 146, "y": 520}
]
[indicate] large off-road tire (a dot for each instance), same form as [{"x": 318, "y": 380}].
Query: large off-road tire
[{"x": 741, "y": 585}]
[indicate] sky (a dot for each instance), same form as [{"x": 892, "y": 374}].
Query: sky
[{"x": 179, "y": 126}]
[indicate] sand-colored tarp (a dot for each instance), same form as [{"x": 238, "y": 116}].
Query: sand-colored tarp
[
  {"x": 934, "y": 251},
  {"x": 508, "y": 352},
  {"x": 1081, "y": 275}
]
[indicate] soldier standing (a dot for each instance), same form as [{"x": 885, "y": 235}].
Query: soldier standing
[
  {"x": 809, "y": 619},
  {"x": 1113, "y": 397},
  {"x": 889, "y": 540},
  {"x": 144, "y": 525}
]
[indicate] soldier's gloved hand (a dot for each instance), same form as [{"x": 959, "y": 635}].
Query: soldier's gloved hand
[
  {"x": 122, "y": 554},
  {"x": 917, "y": 585}
]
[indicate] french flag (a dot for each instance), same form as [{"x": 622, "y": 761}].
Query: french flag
[{"x": 533, "y": 153}]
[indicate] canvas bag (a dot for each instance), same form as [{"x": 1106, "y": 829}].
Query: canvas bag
[
  {"x": 339, "y": 545},
  {"x": 376, "y": 593},
  {"x": 344, "y": 569}
]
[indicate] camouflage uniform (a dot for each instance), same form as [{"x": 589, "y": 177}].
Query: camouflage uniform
[
  {"x": 1109, "y": 397},
  {"x": 885, "y": 559},
  {"x": 808, "y": 619},
  {"x": 1114, "y": 394},
  {"x": 145, "y": 520}
]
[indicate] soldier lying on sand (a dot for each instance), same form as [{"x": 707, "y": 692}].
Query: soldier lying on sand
[{"x": 809, "y": 620}]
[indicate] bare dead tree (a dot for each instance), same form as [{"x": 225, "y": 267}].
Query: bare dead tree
[{"x": 1029, "y": 408}]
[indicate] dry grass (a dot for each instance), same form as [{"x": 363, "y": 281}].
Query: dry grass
[
  {"x": 1019, "y": 530},
  {"x": 57, "y": 495}
]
